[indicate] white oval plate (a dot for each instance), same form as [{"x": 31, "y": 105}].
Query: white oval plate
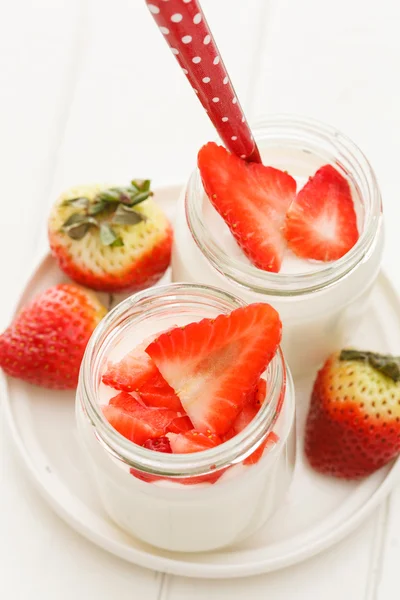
[{"x": 318, "y": 511}]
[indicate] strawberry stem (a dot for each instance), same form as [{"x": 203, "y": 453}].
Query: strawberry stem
[
  {"x": 384, "y": 363},
  {"x": 119, "y": 202}
]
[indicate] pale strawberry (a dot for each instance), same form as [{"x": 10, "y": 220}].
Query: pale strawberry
[
  {"x": 253, "y": 201},
  {"x": 321, "y": 224},
  {"x": 45, "y": 343},
  {"x": 111, "y": 239},
  {"x": 214, "y": 364}
]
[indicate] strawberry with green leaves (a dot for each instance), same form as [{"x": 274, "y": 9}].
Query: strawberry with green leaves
[
  {"x": 45, "y": 343},
  {"x": 111, "y": 239},
  {"x": 353, "y": 424}
]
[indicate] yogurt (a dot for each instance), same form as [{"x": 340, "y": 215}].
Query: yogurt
[
  {"x": 320, "y": 304},
  {"x": 166, "y": 513}
]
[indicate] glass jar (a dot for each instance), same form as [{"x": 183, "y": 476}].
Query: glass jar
[
  {"x": 320, "y": 304},
  {"x": 163, "y": 498}
]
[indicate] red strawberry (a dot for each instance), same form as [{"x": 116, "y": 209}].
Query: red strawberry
[
  {"x": 140, "y": 423},
  {"x": 132, "y": 372},
  {"x": 160, "y": 444},
  {"x": 213, "y": 365},
  {"x": 45, "y": 343},
  {"x": 156, "y": 392},
  {"x": 111, "y": 239},
  {"x": 126, "y": 402},
  {"x": 180, "y": 424},
  {"x": 353, "y": 425},
  {"x": 321, "y": 224},
  {"x": 245, "y": 416},
  {"x": 257, "y": 395},
  {"x": 253, "y": 201},
  {"x": 162, "y": 419},
  {"x": 192, "y": 441}
]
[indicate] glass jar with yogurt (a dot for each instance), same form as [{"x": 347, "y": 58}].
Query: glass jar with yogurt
[
  {"x": 320, "y": 304},
  {"x": 161, "y": 498}
]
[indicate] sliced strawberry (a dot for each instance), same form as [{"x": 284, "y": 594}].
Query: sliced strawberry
[
  {"x": 160, "y": 444},
  {"x": 214, "y": 364},
  {"x": 258, "y": 393},
  {"x": 321, "y": 224},
  {"x": 192, "y": 441},
  {"x": 133, "y": 371},
  {"x": 245, "y": 416},
  {"x": 189, "y": 442},
  {"x": 180, "y": 424},
  {"x": 110, "y": 239},
  {"x": 137, "y": 422},
  {"x": 156, "y": 392},
  {"x": 125, "y": 401},
  {"x": 261, "y": 392},
  {"x": 252, "y": 200}
]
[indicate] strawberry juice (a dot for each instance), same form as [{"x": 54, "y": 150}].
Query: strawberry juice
[
  {"x": 171, "y": 499},
  {"x": 320, "y": 302}
]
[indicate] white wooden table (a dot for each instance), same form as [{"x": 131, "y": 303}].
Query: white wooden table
[{"x": 89, "y": 91}]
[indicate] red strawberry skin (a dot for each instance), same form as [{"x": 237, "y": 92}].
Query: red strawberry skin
[
  {"x": 157, "y": 393},
  {"x": 353, "y": 424},
  {"x": 132, "y": 372},
  {"x": 136, "y": 372},
  {"x": 160, "y": 444},
  {"x": 214, "y": 364},
  {"x": 253, "y": 201},
  {"x": 45, "y": 343},
  {"x": 192, "y": 441},
  {"x": 137, "y": 422},
  {"x": 321, "y": 224},
  {"x": 269, "y": 442},
  {"x": 141, "y": 273}
]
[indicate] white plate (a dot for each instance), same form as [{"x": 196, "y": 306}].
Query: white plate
[{"x": 318, "y": 512}]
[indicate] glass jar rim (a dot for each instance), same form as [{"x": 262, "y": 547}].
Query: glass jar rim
[
  {"x": 302, "y": 130},
  {"x": 230, "y": 452}
]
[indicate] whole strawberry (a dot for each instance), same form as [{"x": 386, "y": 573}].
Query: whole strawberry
[
  {"x": 353, "y": 424},
  {"x": 111, "y": 239},
  {"x": 46, "y": 341}
]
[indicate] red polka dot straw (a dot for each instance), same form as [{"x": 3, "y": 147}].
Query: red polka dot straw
[{"x": 186, "y": 31}]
